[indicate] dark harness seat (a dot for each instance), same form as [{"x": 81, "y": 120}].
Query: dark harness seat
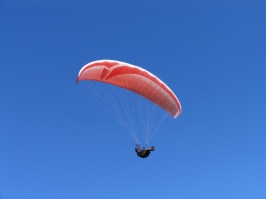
[{"x": 143, "y": 153}]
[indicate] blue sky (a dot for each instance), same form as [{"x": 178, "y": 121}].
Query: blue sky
[{"x": 57, "y": 143}]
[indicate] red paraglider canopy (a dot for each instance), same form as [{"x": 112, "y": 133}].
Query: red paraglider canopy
[{"x": 135, "y": 79}]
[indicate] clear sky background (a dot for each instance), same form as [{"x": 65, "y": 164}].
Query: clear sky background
[{"x": 57, "y": 143}]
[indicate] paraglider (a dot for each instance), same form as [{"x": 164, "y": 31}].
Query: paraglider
[
  {"x": 143, "y": 152},
  {"x": 145, "y": 87}
]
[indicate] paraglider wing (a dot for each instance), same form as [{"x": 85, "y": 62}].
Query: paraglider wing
[{"x": 135, "y": 79}]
